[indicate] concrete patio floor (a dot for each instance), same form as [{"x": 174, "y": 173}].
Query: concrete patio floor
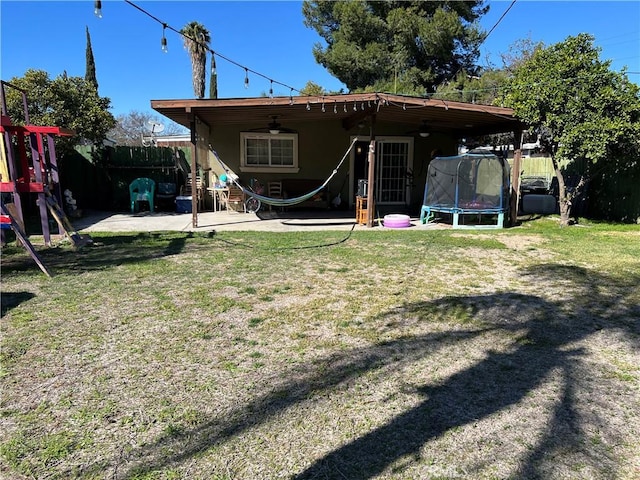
[{"x": 225, "y": 221}]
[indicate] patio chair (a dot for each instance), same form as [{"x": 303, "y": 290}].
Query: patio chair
[
  {"x": 235, "y": 199},
  {"x": 274, "y": 190},
  {"x": 166, "y": 193},
  {"x": 141, "y": 190},
  {"x": 187, "y": 189}
]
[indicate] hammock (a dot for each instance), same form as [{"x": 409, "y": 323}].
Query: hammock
[{"x": 283, "y": 202}]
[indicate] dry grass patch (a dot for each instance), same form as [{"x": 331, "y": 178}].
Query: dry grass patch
[{"x": 391, "y": 355}]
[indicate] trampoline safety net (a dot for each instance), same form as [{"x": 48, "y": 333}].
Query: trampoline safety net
[{"x": 469, "y": 183}]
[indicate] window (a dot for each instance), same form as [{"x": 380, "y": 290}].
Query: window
[{"x": 265, "y": 152}]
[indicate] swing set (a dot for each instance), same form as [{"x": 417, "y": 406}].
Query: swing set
[{"x": 28, "y": 166}]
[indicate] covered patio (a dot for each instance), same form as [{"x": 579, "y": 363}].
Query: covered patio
[{"x": 329, "y": 122}]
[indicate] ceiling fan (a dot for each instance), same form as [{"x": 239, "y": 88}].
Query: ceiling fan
[
  {"x": 423, "y": 130},
  {"x": 273, "y": 127}
]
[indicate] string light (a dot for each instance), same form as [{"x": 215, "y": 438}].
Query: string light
[
  {"x": 97, "y": 8},
  {"x": 163, "y": 42},
  {"x": 345, "y": 107},
  {"x": 335, "y": 106},
  {"x": 98, "y": 5},
  {"x": 308, "y": 106},
  {"x": 323, "y": 110},
  {"x": 378, "y": 102},
  {"x": 291, "y": 96},
  {"x": 355, "y": 107},
  {"x": 271, "y": 89}
]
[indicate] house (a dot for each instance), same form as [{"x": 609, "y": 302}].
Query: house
[{"x": 301, "y": 139}]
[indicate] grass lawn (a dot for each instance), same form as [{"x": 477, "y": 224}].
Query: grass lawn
[{"x": 403, "y": 354}]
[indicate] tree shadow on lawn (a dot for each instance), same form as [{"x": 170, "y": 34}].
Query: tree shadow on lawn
[
  {"x": 544, "y": 332},
  {"x": 10, "y": 300},
  {"x": 106, "y": 252}
]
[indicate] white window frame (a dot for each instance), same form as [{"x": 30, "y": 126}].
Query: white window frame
[{"x": 268, "y": 168}]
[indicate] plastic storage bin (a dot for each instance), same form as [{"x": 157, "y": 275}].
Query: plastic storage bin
[{"x": 183, "y": 204}]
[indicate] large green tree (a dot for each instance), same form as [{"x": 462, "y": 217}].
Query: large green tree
[
  {"x": 196, "y": 42},
  {"x": 395, "y": 46},
  {"x": 69, "y": 102},
  {"x": 585, "y": 115}
]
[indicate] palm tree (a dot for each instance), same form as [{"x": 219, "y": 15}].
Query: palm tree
[{"x": 196, "y": 42}]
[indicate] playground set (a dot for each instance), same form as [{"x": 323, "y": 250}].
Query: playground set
[{"x": 28, "y": 167}]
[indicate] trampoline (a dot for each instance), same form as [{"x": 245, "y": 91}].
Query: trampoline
[{"x": 468, "y": 187}]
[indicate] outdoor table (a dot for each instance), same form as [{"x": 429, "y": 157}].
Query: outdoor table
[{"x": 219, "y": 195}]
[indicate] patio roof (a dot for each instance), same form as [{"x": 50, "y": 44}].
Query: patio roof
[{"x": 453, "y": 118}]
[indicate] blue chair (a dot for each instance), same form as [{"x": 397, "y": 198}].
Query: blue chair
[
  {"x": 166, "y": 193},
  {"x": 142, "y": 190}
]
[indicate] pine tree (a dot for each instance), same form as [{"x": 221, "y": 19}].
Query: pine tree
[
  {"x": 406, "y": 47},
  {"x": 90, "y": 75}
]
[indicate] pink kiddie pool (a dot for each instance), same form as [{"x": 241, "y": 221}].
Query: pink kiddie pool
[{"x": 396, "y": 220}]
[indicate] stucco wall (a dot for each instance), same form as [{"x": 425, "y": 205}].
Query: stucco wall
[{"x": 322, "y": 145}]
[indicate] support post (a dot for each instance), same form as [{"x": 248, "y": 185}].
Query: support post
[
  {"x": 194, "y": 163},
  {"x": 514, "y": 198},
  {"x": 371, "y": 180},
  {"x": 38, "y": 161}
]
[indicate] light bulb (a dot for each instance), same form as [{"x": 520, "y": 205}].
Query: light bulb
[
  {"x": 97, "y": 10},
  {"x": 163, "y": 41},
  {"x": 214, "y": 69}
]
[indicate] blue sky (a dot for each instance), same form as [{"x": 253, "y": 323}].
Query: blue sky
[{"x": 265, "y": 36}]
